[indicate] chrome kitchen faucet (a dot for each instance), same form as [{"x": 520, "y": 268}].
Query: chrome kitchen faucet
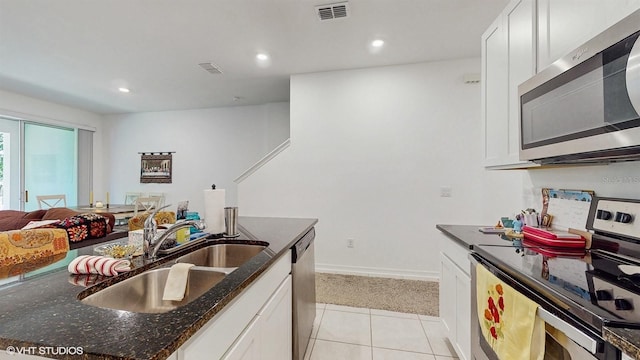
[{"x": 152, "y": 242}]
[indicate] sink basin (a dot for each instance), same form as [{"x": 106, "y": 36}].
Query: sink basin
[
  {"x": 223, "y": 257},
  {"x": 143, "y": 293}
]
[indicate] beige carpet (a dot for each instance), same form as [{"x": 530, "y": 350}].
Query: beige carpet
[{"x": 410, "y": 296}]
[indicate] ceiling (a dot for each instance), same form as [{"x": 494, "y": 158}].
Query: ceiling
[{"x": 79, "y": 52}]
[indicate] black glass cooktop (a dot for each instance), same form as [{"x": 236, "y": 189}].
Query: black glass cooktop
[{"x": 588, "y": 284}]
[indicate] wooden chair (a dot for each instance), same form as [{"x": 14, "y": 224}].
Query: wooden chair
[
  {"x": 145, "y": 204},
  {"x": 51, "y": 201},
  {"x": 160, "y": 195},
  {"x": 130, "y": 197}
]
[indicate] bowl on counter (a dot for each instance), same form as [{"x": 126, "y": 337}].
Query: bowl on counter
[
  {"x": 506, "y": 222},
  {"x": 118, "y": 250}
]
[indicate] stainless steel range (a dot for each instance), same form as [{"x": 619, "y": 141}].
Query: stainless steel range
[{"x": 578, "y": 292}]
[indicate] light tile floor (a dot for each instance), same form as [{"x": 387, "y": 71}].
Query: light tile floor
[{"x": 348, "y": 333}]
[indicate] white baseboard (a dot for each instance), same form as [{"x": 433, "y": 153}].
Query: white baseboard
[{"x": 378, "y": 272}]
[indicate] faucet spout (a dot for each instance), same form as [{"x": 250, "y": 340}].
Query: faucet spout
[
  {"x": 160, "y": 239},
  {"x": 150, "y": 230}
]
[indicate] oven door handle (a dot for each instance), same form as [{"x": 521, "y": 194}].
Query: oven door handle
[{"x": 571, "y": 332}]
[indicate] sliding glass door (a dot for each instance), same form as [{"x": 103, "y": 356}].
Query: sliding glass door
[
  {"x": 50, "y": 163},
  {"x": 39, "y": 159}
]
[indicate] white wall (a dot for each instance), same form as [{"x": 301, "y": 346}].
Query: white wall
[
  {"x": 370, "y": 150},
  {"x": 28, "y": 108},
  {"x": 212, "y": 146}
]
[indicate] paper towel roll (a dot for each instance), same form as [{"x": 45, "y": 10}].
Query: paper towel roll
[{"x": 214, "y": 203}]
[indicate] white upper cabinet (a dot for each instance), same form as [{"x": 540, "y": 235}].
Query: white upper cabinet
[
  {"x": 494, "y": 93},
  {"x": 564, "y": 25},
  {"x": 508, "y": 59},
  {"x": 520, "y": 26}
]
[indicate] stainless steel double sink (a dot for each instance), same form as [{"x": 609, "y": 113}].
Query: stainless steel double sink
[{"x": 143, "y": 292}]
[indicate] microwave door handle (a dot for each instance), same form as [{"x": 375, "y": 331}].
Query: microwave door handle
[{"x": 571, "y": 332}]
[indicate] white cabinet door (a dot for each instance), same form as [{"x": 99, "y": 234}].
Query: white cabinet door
[
  {"x": 455, "y": 295},
  {"x": 564, "y": 25},
  {"x": 247, "y": 346},
  {"x": 463, "y": 314},
  {"x": 276, "y": 335},
  {"x": 618, "y": 10},
  {"x": 519, "y": 22},
  {"x": 508, "y": 59},
  {"x": 269, "y": 336},
  {"x": 447, "y": 295},
  {"x": 494, "y": 94}
]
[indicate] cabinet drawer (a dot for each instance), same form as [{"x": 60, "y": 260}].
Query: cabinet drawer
[{"x": 456, "y": 253}]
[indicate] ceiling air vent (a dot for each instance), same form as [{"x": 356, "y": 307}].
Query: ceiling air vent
[
  {"x": 332, "y": 11},
  {"x": 211, "y": 68}
]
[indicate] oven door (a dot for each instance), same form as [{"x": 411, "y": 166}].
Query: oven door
[{"x": 563, "y": 340}]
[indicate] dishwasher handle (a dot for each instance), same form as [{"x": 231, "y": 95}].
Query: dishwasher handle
[{"x": 298, "y": 249}]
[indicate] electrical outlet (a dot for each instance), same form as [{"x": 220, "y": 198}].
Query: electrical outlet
[
  {"x": 445, "y": 191},
  {"x": 351, "y": 243}
]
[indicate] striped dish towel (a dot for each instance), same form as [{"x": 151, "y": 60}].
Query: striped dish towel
[{"x": 102, "y": 265}]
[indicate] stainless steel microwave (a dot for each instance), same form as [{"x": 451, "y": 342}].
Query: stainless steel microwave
[{"x": 584, "y": 107}]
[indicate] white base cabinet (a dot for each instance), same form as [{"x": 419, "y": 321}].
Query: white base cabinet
[
  {"x": 455, "y": 296},
  {"x": 276, "y": 331},
  {"x": 247, "y": 346},
  {"x": 269, "y": 334},
  {"x": 257, "y": 324}
]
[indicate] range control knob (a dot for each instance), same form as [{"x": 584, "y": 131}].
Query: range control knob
[
  {"x": 623, "y": 218},
  {"x": 603, "y": 214},
  {"x": 604, "y": 295},
  {"x": 623, "y": 304}
]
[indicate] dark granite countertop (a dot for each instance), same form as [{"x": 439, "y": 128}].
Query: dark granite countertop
[
  {"x": 43, "y": 310},
  {"x": 469, "y": 235},
  {"x": 627, "y": 340}
]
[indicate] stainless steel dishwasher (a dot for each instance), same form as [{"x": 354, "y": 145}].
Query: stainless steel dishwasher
[{"x": 303, "y": 274}]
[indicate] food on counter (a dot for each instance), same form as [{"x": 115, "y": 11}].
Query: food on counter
[{"x": 119, "y": 250}]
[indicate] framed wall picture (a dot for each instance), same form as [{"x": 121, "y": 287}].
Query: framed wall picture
[{"x": 155, "y": 168}]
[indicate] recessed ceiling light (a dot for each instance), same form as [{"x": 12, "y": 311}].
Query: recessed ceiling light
[
  {"x": 123, "y": 89},
  {"x": 377, "y": 43},
  {"x": 262, "y": 57}
]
